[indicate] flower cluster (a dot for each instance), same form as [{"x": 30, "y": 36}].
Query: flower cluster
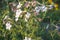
[
  {"x": 28, "y": 8},
  {"x": 27, "y": 18}
]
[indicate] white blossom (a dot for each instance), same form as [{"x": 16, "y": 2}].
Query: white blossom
[
  {"x": 19, "y": 5},
  {"x": 8, "y": 25},
  {"x": 18, "y": 13},
  {"x": 27, "y": 15},
  {"x": 29, "y": 38},
  {"x": 43, "y": 8},
  {"x": 16, "y": 19},
  {"x": 37, "y": 9},
  {"x": 50, "y": 6}
]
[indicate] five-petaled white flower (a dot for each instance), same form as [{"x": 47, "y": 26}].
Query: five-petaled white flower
[{"x": 8, "y": 25}]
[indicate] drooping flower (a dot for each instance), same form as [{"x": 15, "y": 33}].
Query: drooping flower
[{"x": 8, "y": 25}]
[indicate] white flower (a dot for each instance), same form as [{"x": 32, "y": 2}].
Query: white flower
[
  {"x": 27, "y": 15},
  {"x": 18, "y": 13},
  {"x": 50, "y": 6},
  {"x": 43, "y": 8},
  {"x": 37, "y": 9},
  {"x": 8, "y": 25},
  {"x": 29, "y": 38},
  {"x": 26, "y": 38},
  {"x": 19, "y": 5},
  {"x": 16, "y": 19}
]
